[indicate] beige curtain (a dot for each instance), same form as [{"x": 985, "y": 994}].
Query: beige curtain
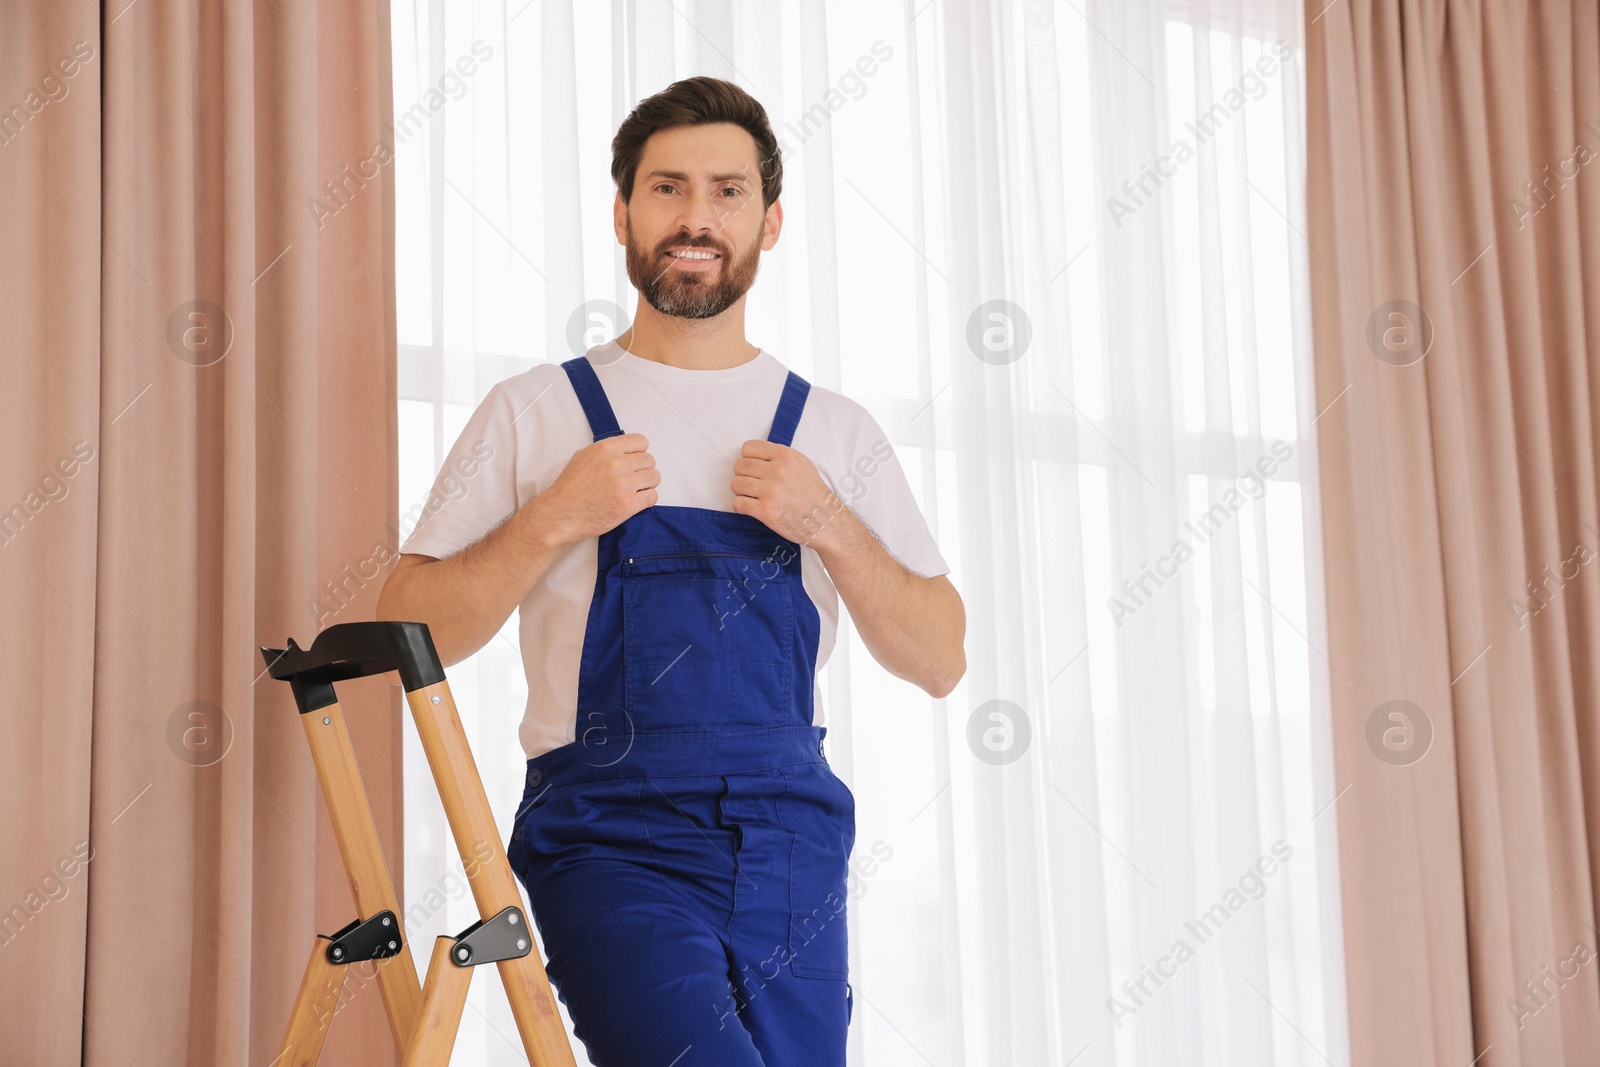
[
  {"x": 1458, "y": 453},
  {"x": 198, "y": 436}
]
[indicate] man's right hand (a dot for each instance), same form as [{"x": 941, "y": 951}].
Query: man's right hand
[
  {"x": 467, "y": 597},
  {"x": 602, "y": 484}
]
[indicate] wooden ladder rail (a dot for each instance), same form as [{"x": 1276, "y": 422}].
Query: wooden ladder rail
[{"x": 423, "y": 1021}]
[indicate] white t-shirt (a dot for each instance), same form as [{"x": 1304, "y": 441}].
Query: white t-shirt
[{"x": 696, "y": 421}]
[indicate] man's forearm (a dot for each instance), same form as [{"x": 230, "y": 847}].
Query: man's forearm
[
  {"x": 914, "y": 626},
  {"x": 467, "y": 597}
]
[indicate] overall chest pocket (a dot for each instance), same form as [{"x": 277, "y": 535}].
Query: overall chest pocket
[{"x": 708, "y": 641}]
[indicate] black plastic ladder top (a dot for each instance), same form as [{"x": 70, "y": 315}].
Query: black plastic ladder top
[{"x": 355, "y": 650}]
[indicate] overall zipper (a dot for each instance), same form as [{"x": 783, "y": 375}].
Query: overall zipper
[{"x": 695, "y": 555}]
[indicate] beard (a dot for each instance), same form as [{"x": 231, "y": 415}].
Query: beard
[{"x": 691, "y": 294}]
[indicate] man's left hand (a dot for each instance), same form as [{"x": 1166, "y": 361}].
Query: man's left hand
[{"x": 781, "y": 487}]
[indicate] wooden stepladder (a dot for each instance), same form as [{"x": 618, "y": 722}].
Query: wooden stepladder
[{"x": 423, "y": 1020}]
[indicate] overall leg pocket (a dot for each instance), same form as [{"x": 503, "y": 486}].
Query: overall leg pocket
[
  {"x": 536, "y": 794},
  {"x": 821, "y": 823}
]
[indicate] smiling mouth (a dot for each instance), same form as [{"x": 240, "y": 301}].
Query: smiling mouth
[{"x": 693, "y": 255}]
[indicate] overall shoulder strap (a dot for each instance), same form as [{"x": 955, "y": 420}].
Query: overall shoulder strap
[
  {"x": 602, "y": 421},
  {"x": 790, "y": 404}
]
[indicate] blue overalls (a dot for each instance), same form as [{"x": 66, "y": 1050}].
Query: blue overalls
[{"x": 686, "y": 856}]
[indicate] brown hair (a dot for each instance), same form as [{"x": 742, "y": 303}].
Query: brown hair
[{"x": 697, "y": 101}]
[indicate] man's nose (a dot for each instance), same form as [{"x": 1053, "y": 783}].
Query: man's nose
[{"x": 700, "y": 217}]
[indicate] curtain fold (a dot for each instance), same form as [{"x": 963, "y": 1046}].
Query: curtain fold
[
  {"x": 1456, "y": 285},
  {"x": 50, "y": 468},
  {"x": 199, "y": 286}
]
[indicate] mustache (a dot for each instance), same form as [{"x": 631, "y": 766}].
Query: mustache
[{"x": 691, "y": 242}]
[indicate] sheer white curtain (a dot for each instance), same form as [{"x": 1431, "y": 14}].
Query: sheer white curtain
[{"x": 1057, "y": 249}]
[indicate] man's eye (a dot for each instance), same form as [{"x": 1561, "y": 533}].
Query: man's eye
[
  {"x": 733, "y": 190},
  {"x": 666, "y": 187}
]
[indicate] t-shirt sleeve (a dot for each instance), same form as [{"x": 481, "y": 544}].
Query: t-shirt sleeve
[
  {"x": 876, "y": 488},
  {"x": 475, "y": 489}
]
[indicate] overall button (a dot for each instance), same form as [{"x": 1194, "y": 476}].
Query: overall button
[{"x": 820, "y": 749}]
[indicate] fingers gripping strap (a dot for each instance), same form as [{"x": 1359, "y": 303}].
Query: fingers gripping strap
[
  {"x": 593, "y": 398},
  {"x": 790, "y": 405}
]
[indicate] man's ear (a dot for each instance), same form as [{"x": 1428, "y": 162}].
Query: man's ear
[
  {"x": 772, "y": 225},
  {"x": 619, "y": 219}
]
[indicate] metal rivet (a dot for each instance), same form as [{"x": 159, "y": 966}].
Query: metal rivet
[
  {"x": 437, "y": 699},
  {"x": 327, "y": 721},
  {"x": 393, "y": 945},
  {"x": 338, "y": 952},
  {"x": 462, "y": 954},
  {"x": 521, "y": 945},
  {"x": 386, "y": 920},
  {"x": 512, "y": 918}
]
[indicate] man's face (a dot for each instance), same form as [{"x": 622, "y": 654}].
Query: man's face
[{"x": 695, "y": 227}]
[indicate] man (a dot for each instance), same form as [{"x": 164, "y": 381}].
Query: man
[{"x": 683, "y": 843}]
